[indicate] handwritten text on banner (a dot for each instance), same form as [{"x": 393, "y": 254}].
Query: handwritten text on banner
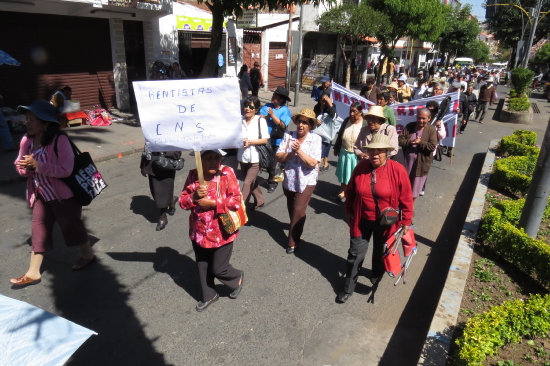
[{"x": 195, "y": 114}]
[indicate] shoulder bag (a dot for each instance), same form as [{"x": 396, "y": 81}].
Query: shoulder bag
[
  {"x": 85, "y": 181},
  {"x": 389, "y": 215},
  {"x": 166, "y": 163},
  {"x": 231, "y": 221},
  {"x": 265, "y": 152}
]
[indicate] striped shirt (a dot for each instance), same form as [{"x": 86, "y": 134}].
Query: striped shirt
[{"x": 42, "y": 183}]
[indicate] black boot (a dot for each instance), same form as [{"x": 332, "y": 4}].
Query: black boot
[{"x": 163, "y": 221}]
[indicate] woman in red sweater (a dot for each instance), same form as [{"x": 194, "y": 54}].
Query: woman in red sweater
[{"x": 390, "y": 182}]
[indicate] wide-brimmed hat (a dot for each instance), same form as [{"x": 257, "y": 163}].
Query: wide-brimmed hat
[
  {"x": 308, "y": 113},
  {"x": 42, "y": 109},
  {"x": 420, "y": 72},
  {"x": 393, "y": 85},
  {"x": 325, "y": 78},
  {"x": 283, "y": 92},
  {"x": 376, "y": 111},
  {"x": 380, "y": 141},
  {"x": 402, "y": 78}
]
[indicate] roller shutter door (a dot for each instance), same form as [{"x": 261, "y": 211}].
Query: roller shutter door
[
  {"x": 252, "y": 49},
  {"x": 277, "y": 65}
]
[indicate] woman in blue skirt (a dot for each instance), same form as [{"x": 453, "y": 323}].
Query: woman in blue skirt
[{"x": 343, "y": 148}]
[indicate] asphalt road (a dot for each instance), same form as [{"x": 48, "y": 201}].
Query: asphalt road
[{"x": 140, "y": 295}]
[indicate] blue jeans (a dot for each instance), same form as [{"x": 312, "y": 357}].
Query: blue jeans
[{"x": 5, "y": 135}]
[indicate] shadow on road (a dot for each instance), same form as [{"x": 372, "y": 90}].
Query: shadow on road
[
  {"x": 180, "y": 267},
  {"x": 404, "y": 347},
  {"x": 95, "y": 299},
  {"x": 146, "y": 207},
  {"x": 272, "y": 226}
]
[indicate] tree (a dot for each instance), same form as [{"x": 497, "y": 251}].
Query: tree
[
  {"x": 352, "y": 23},
  {"x": 222, "y": 8},
  {"x": 460, "y": 32},
  {"x": 478, "y": 50},
  {"x": 423, "y": 20},
  {"x": 543, "y": 55}
]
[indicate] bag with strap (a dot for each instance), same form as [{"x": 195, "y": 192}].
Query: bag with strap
[
  {"x": 280, "y": 169},
  {"x": 85, "y": 181},
  {"x": 231, "y": 221},
  {"x": 392, "y": 258},
  {"x": 389, "y": 215},
  {"x": 265, "y": 152}
]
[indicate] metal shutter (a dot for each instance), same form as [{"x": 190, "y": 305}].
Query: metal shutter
[{"x": 277, "y": 65}]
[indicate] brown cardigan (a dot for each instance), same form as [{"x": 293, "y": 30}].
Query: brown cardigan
[{"x": 425, "y": 148}]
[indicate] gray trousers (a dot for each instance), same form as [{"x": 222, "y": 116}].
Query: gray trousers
[{"x": 481, "y": 108}]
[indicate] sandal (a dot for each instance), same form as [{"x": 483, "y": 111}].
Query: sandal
[
  {"x": 83, "y": 263},
  {"x": 23, "y": 281}
]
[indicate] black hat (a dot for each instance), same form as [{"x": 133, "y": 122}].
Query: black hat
[
  {"x": 256, "y": 63},
  {"x": 283, "y": 92}
]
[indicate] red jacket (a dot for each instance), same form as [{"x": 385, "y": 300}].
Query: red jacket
[{"x": 401, "y": 193}]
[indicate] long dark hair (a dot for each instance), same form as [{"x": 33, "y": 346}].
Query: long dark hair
[
  {"x": 244, "y": 68},
  {"x": 52, "y": 130},
  {"x": 254, "y": 101}
]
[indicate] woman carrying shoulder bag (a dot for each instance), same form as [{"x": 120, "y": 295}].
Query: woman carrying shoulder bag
[
  {"x": 49, "y": 197},
  {"x": 255, "y": 133}
]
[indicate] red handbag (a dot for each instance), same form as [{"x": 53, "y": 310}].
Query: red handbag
[{"x": 392, "y": 258}]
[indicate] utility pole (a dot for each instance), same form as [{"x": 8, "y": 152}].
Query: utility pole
[
  {"x": 299, "y": 66},
  {"x": 539, "y": 190},
  {"x": 289, "y": 47},
  {"x": 535, "y": 16}
]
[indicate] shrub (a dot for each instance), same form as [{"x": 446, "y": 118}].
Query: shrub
[
  {"x": 514, "y": 145},
  {"x": 521, "y": 79},
  {"x": 512, "y": 209},
  {"x": 513, "y": 245},
  {"x": 513, "y": 174},
  {"x": 508, "y": 323},
  {"x": 519, "y": 104},
  {"x": 525, "y": 137}
]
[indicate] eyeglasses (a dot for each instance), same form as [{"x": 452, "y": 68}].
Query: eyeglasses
[{"x": 250, "y": 106}]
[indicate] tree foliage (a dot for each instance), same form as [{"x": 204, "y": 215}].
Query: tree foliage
[
  {"x": 352, "y": 23},
  {"x": 478, "y": 50},
  {"x": 422, "y": 20},
  {"x": 543, "y": 55},
  {"x": 460, "y": 33},
  {"x": 222, "y": 8}
]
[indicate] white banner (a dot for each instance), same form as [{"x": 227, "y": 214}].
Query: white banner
[
  {"x": 343, "y": 98},
  {"x": 405, "y": 113},
  {"x": 194, "y": 114}
]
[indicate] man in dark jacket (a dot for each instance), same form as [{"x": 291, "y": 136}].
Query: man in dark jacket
[
  {"x": 256, "y": 78},
  {"x": 487, "y": 95}
]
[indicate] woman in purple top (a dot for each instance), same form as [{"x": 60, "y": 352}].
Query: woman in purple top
[
  {"x": 50, "y": 199},
  {"x": 301, "y": 153}
]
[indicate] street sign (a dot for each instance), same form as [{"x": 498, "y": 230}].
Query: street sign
[{"x": 249, "y": 19}]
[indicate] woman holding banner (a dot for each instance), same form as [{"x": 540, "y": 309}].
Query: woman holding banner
[
  {"x": 418, "y": 141},
  {"x": 255, "y": 133},
  {"x": 301, "y": 154},
  {"x": 377, "y": 184},
  {"x": 343, "y": 147},
  {"x": 212, "y": 244}
]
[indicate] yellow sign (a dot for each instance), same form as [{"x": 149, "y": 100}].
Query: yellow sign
[{"x": 195, "y": 24}]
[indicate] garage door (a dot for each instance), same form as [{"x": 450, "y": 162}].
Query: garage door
[
  {"x": 277, "y": 65},
  {"x": 252, "y": 49}
]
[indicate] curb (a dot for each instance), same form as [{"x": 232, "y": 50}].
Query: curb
[
  {"x": 97, "y": 160},
  {"x": 438, "y": 340}
]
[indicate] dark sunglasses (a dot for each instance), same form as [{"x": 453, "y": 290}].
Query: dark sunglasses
[
  {"x": 250, "y": 106},
  {"x": 302, "y": 121}
]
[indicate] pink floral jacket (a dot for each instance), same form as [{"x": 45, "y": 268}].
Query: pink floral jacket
[{"x": 204, "y": 226}]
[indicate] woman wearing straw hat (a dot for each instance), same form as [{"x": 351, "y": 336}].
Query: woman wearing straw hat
[
  {"x": 376, "y": 124},
  {"x": 49, "y": 197},
  {"x": 212, "y": 245},
  {"x": 301, "y": 154},
  {"x": 343, "y": 147},
  {"x": 377, "y": 183}
]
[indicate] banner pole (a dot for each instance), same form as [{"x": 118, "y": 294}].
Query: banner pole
[
  {"x": 452, "y": 155},
  {"x": 198, "y": 162}
]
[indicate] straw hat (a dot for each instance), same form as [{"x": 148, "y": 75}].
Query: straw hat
[
  {"x": 393, "y": 85},
  {"x": 376, "y": 111},
  {"x": 308, "y": 113},
  {"x": 380, "y": 141}
]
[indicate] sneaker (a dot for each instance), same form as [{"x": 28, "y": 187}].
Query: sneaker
[{"x": 421, "y": 193}]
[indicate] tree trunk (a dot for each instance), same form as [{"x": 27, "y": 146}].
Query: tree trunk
[{"x": 210, "y": 67}]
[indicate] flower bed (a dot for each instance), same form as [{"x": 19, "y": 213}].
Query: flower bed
[{"x": 507, "y": 265}]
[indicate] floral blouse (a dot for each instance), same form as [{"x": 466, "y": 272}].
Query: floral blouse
[
  {"x": 297, "y": 175},
  {"x": 204, "y": 228}
]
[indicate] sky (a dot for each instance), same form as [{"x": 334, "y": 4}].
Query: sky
[{"x": 477, "y": 8}]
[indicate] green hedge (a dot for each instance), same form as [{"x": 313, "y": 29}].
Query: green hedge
[
  {"x": 508, "y": 323},
  {"x": 520, "y": 104},
  {"x": 521, "y": 79},
  {"x": 525, "y": 137},
  {"x": 513, "y": 174},
  {"x": 530, "y": 255},
  {"x": 511, "y": 209}
]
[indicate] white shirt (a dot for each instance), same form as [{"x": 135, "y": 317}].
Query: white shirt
[{"x": 250, "y": 132}]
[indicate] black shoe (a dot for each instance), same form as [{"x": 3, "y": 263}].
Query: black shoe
[
  {"x": 163, "y": 221},
  {"x": 201, "y": 306},
  {"x": 172, "y": 208},
  {"x": 290, "y": 250},
  {"x": 271, "y": 189},
  {"x": 342, "y": 297},
  {"x": 237, "y": 291}
]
